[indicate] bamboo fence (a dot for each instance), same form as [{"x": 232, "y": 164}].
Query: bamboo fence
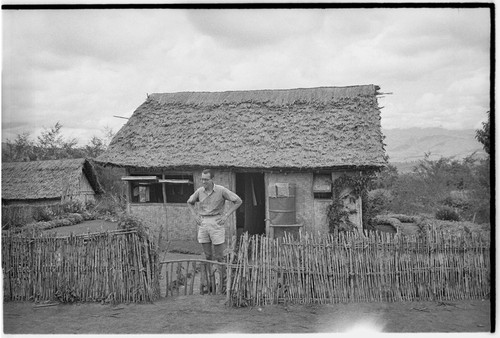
[
  {"x": 358, "y": 267},
  {"x": 190, "y": 276},
  {"x": 120, "y": 266},
  {"x": 123, "y": 266}
]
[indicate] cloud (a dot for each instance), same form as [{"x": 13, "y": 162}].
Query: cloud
[
  {"x": 255, "y": 27},
  {"x": 111, "y": 36},
  {"x": 78, "y": 67},
  {"x": 82, "y": 67}
]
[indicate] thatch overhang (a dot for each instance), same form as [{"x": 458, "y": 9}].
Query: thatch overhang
[
  {"x": 38, "y": 180},
  {"x": 293, "y": 129}
]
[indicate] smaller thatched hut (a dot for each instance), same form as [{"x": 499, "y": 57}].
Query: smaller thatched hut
[{"x": 47, "y": 182}]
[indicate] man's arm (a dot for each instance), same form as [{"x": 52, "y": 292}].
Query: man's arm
[
  {"x": 231, "y": 196},
  {"x": 191, "y": 205}
]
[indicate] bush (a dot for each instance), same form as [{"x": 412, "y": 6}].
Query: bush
[
  {"x": 144, "y": 228},
  {"x": 61, "y": 223},
  {"x": 36, "y": 225},
  {"x": 109, "y": 205},
  {"x": 16, "y": 216},
  {"x": 460, "y": 203},
  {"x": 338, "y": 217},
  {"x": 88, "y": 216},
  {"x": 386, "y": 221},
  {"x": 89, "y": 205},
  {"x": 404, "y": 218},
  {"x": 446, "y": 213},
  {"x": 379, "y": 201},
  {"x": 73, "y": 207},
  {"x": 31, "y": 229},
  {"x": 43, "y": 214},
  {"x": 130, "y": 222},
  {"x": 74, "y": 218},
  {"x": 429, "y": 223}
]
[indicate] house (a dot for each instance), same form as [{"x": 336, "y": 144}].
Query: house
[
  {"x": 48, "y": 182},
  {"x": 265, "y": 145}
]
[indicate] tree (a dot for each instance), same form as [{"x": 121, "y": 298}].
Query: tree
[
  {"x": 385, "y": 178},
  {"x": 21, "y": 149},
  {"x": 446, "y": 173},
  {"x": 482, "y": 193},
  {"x": 95, "y": 147},
  {"x": 108, "y": 135},
  {"x": 52, "y": 146},
  {"x": 483, "y": 135}
]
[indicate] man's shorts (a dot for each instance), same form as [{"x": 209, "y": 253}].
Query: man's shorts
[{"x": 210, "y": 231}]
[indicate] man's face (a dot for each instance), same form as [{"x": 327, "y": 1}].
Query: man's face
[{"x": 206, "y": 180}]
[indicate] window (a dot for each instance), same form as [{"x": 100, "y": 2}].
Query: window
[
  {"x": 322, "y": 186},
  {"x": 146, "y": 191},
  {"x": 178, "y": 188},
  {"x": 149, "y": 189},
  {"x": 323, "y": 195}
]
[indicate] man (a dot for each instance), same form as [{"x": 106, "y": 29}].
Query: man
[{"x": 210, "y": 217}]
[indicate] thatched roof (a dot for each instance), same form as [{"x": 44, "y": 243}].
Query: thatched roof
[
  {"x": 314, "y": 128},
  {"x": 44, "y": 179}
]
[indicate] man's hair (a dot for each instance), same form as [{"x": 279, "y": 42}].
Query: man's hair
[{"x": 208, "y": 171}]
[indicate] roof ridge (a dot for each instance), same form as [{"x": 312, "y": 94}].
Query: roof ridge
[
  {"x": 268, "y": 96},
  {"x": 262, "y": 90}
]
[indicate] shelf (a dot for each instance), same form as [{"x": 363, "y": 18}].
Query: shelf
[{"x": 285, "y": 225}]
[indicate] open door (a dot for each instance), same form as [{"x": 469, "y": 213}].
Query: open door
[{"x": 252, "y": 213}]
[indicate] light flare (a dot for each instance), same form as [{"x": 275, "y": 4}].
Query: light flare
[{"x": 365, "y": 327}]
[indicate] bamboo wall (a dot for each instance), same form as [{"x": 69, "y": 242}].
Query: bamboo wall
[
  {"x": 115, "y": 267},
  {"x": 79, "y": 190},
  {"x": 358, "y": 268}
]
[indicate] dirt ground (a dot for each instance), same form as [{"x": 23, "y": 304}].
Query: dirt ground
[{"x": 208, "y": 314}]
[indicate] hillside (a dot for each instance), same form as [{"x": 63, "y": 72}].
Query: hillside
[{"x": 407, "y": 145}]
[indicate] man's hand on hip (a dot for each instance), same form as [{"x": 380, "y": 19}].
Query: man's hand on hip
[
  {"x": 198, "y": 220},
  {"x": 222, "y": 220}
]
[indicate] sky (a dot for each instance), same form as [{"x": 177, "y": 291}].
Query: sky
[{"x": 82, "y": 68}]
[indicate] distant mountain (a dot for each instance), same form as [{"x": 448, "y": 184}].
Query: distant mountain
[{"x": 409, "y": 145}]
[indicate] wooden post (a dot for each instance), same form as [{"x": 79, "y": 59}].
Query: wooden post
[
  {"x": 269, "y": 228},
  {"x": 164, "y": 192},
  {"x": 192, "y": 280},
  {"x": 127, "y": 191},
  {"x": 229, "y": 262},
  {"x": 231, "y": 222}
]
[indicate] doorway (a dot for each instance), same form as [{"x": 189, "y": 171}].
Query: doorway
[{"x": 252, "y": 213}]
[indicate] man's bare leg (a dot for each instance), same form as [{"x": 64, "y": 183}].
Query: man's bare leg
[
  {"x": 205, "y": 284},
  {"x": 207, "y": 248},
  {"x": 219, "y": 257}
]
